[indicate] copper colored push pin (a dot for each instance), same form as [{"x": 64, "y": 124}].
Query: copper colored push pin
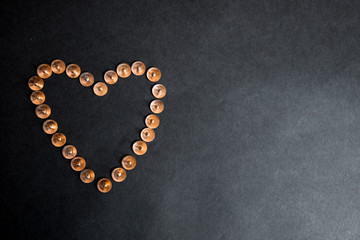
[
  {"x": 157, "y": 106},
  {"x": 118, "y": 174},
  {"x": 69, "y": 151},
  {"x": 86, "y": 79},
  {"x": 37, "y": 97},
  {"x": 123, "y": 70},
  {"x": 50, "y": 126},
  {"x": 43, "y": 111},
  {"x": 73, "y": 70},
  {"x": 87, "y": 175},
  {"x": 147, "y": 135},
  {"x": 78, "y": 164},
  {"x": 128, "y": 162},
  {"x": 104, "y": 185},
  {"x": 44, "y": 71},
  {"x": 36, "y": 83},
  {"x": 138, "y": 68},
  {"x": 159, "y": 91},
  {"x": 111, "y": 77},
  {"x": 58, "y": 139},
  {"x": 152, "y": 121},
  {"x": 153, "y": 74},
  {"x": 58, "y": 66},
  {"x": 139, "y": 147},
  {"x": 100, "y": 88}
]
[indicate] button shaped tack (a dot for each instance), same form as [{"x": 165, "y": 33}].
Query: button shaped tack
[
  {"x": 69, "y": 151},
  {"x": 118, "y": 174},
  {"x": 58, "y": 139},
  {"x": 159, "y": 91},
  {"x": 139, "y": 147},
  {"x": 36, "y": 83},
  {"x": 44, "y": 71},
  {"x": 157, "y": 106},
  {"x": 37, "y": 97},
  {"x": 50, "y": 126},
  {"x": 58, "y": 66},
  {"x": 100, "y": 89},
  {"x": 73, "y": 70},
  {"x": 138, "y": 68},
  {"x": 128, "y": 162},
  {"x": 110, "y": 77},
  {"x": 43, "y": 111},
  {"x": 87, "y": 175},
  {"x": 78, "y": 164},
  {"x": 147, "y": 135},
  {"x": 86, "y": 79},
  {"x": 104, "y": 185},
  {"x": 153, "y": 74},
  {"x": 152, "y": 121},
  {"x": 123, "y": 70}
]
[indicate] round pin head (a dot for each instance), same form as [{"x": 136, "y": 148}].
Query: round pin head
[
  {"x": 128, "y": 162},
  {"x": 44, "y": 71},
  {"x": 111, "y": 77},
  {"x": 100, "y": 89},
  {"x": 86, "y": 79},
  {"x": 138, "y": 68},
  {"x": 118, "y": 174},
  {"x": 87, "y": 175},
  {"x": 58, "y": 139},
  {"x": 36, "y": 83},
  {"x": 153, "y": 74},
  {"x": 139, "y": 147},
  {"x": 123, "y": 70},
  {"x": 78, "y": 164},
  {"x": 50, "y": 126},
  {"x": 58, "y": 66},
  {"x": 104, "y": 185},
  {"x": 73, "y": 70}
]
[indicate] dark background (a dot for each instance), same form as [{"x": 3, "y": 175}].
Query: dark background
[{"x": 259, "y": 138}]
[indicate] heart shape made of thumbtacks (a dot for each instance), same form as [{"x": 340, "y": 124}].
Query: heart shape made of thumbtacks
[{"x": 86, "y": 79}]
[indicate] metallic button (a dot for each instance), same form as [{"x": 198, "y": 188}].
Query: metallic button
[
  {"x": 78, "y": 164},
  {"x": 50, "y": 126},
  {"x": 43, "y": 111},
  {"x": 157, "y": 106},
  {"x": 100, "y": 88},
  {"x": 86, "y": 79},
  {"x": 111, "y": 77},
  {"x": 139, "y": 147},
  {"x": 37, "y": 97},
  {"x": 128, "y": 162},
  {"x": 138, "y": 68},
  {"x": 152, "y": 121},
  {"x": 153, "y": 74},
  {"x": 104, "y": 185},
  {"x": 73, "y": 70},
  {"x": 69, "y": 151},
  {"x": 118, "y": 174},
  {"x": 147, "y": 135},
  {"x": 36, "y": 83},
  {"x": 58, "y": 66},
  {"x": 44, "y": 71},
  {"x": 159, "y": 91},
  {"x": 87, "y": 175},
  {"x": 58, "y": 139},
  {"x": 123, "y": 70}
]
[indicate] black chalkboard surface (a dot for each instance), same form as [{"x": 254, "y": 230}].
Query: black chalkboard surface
[{"x": 259, "y": 138}]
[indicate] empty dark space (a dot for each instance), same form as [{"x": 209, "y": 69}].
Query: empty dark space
[{"x": 259, "y": 138}]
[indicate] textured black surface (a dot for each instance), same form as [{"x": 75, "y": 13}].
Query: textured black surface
[{"x": 259, "y": 138}]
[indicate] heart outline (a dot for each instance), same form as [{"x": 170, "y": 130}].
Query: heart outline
[{"x": 43, "y": 111}]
